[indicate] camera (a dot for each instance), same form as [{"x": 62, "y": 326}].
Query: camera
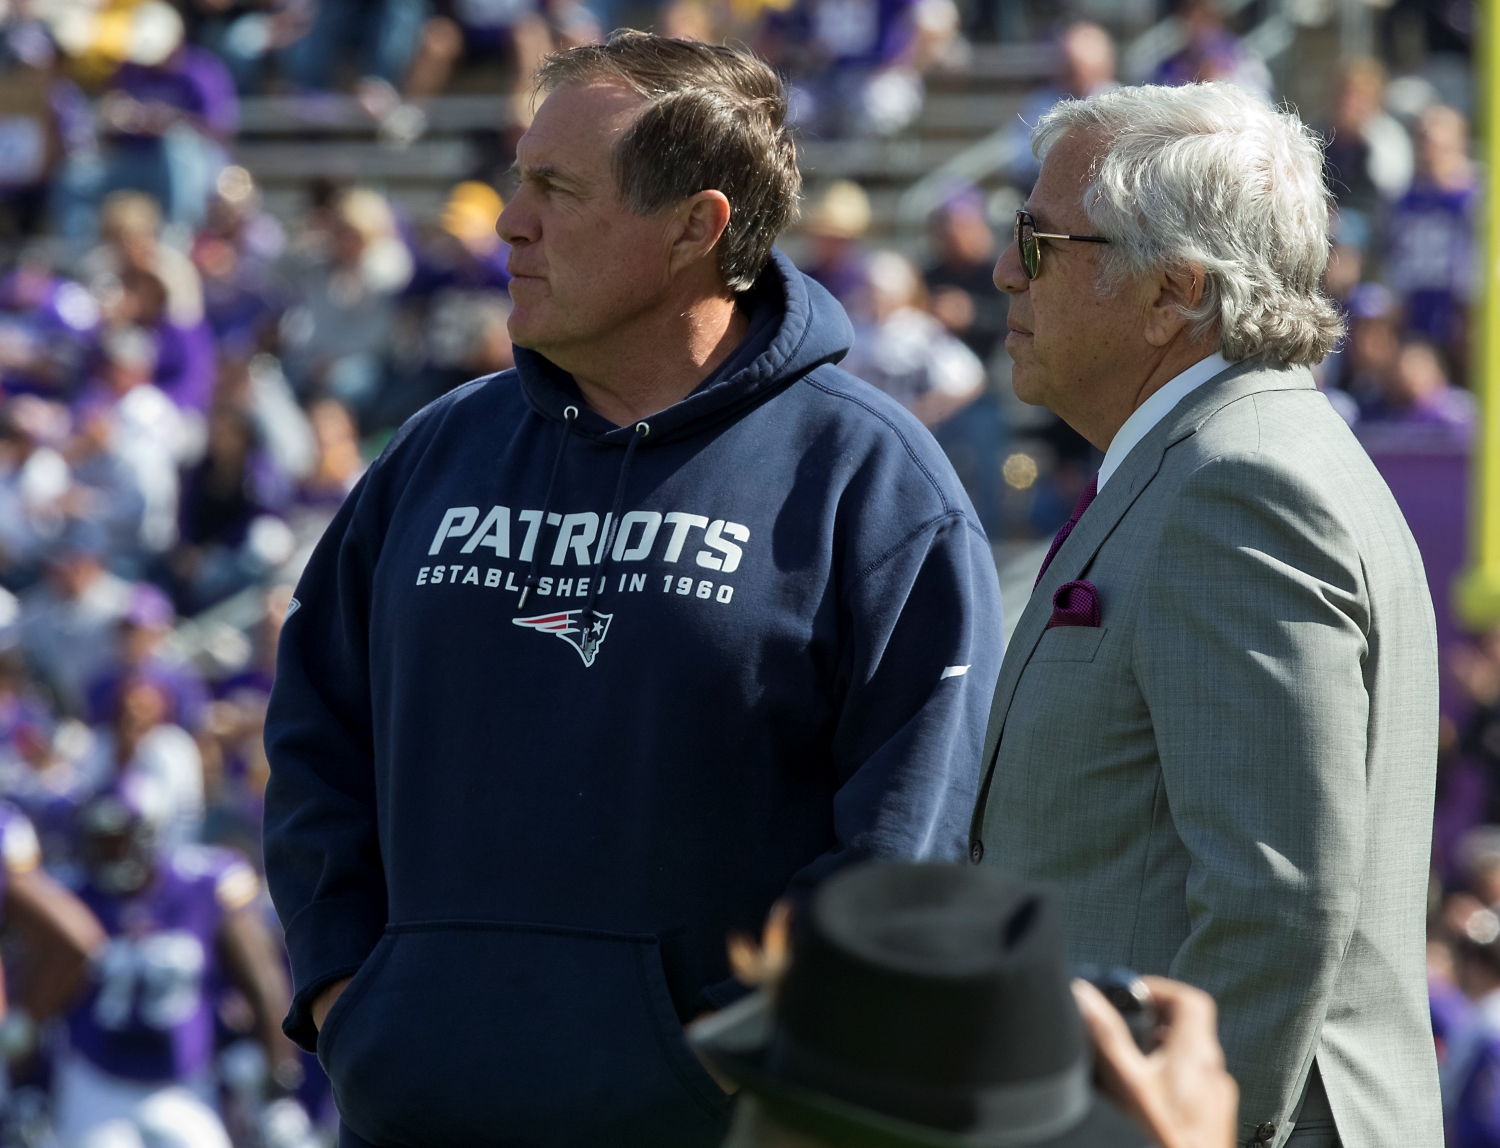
[{"x": 1124, "y": 989}]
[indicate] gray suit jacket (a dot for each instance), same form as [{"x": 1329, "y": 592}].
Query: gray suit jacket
[{"x": 1231, "y": 778}]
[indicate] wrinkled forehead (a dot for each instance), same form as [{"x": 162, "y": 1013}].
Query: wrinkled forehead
[
  {"x": 577, "y": 126},
  {"x": 1068, "y": 167}
]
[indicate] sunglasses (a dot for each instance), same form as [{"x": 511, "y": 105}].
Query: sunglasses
[{"x": 1026, "y": 236}]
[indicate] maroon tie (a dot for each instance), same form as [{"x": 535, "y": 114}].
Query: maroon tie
[{"x": 1090, "y": 492}]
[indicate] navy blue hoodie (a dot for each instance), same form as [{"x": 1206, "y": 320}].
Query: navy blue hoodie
[{"x": 760, "y": 642}]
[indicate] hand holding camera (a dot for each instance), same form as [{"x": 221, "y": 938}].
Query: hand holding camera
[{"x": 1180, "y": 1092}]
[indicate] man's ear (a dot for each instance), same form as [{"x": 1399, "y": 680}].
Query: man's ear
[
  {"x": 1178, "y": 289},
  {"x": 700, "y": 221}
]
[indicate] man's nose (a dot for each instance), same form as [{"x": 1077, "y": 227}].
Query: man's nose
[
  {"x": 516, "y": 224},
  {"x": 1009, "y": 275}
]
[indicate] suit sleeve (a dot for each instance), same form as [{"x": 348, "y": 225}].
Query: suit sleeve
[
  {"x": 323, "y": 862},
  {"x": 1250, "y": 649}
]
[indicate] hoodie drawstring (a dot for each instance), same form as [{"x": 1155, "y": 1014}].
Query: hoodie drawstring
[
  {"x": 612, "y": 525},
  {"x": 570, "y": 415}
]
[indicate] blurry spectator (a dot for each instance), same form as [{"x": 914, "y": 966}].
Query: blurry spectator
[
  {"x": 230, "y": 534},
  {"x": 1212, "y": 52},
  {"x": 513, "y": 31},
  {"x": 248, "y": 34},
  {"x": 140, "y": 737},
  {"x": 44, "y": 781},
  {"x": 47, "y": 324},
  {"x": 1368, "y": 161},
  {"x": 1342, "y": 276},
  {"x": 960, "y": 280},
  {"x": 963, "y": 297},
  {"x": 860, "y": 62},
  {"x": 1430, "y": 257},
  {"x": 336, "y": 333},
  {"x": 146, "y": 430},
  {"x": 68, "y": 621},
  {"x": 836, "y": 228},
  {"x": 1085, "y": 67},
  {"x": 453, "y": 318},
  {"x": 904, "y": 351},
  {"x": 34, "y": 481},
  {"x": 234, "y": 254},
  {"x": 182, "y": 355},
  {"x": 130, "y": 230},
  {"x": 44, "y": 122},
  {"x": 1471, "y": 1074},
  {"x": 339, "y": 466},
  {"x": 1346, "y": 262},
  {"x": 460, "y": 335},
  {"x": 236, "y": 723},
  {"x": 259, "y": 388},
  {"x": 1417, "y": 393},
  {"x": 140, "y": 657},
  {"x": 464, "y": 249},
  {"x": 1449, "y": 1006},
  {"x": 172, "y": 113},
  {"x": 105, "y": 489},
  {"x": 1368, "y": 358},
  {"x": 380, "y": 35},
  {"x": 1475, "y": 665}
]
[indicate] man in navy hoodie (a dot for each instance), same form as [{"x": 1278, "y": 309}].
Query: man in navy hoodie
[{"x": 608, "y": 652}]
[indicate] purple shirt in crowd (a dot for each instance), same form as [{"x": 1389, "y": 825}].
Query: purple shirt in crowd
[
  {"x": 1431, "y": 258},
  {"x": 191, "y": 80}
]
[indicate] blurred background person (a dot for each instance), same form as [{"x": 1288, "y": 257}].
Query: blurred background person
[
  {"x": 836, "y": 227},
  {"x": 1212, "y": 52},
  {"x": 1368, "y": 155},
  {"x": 961, "y": 294},
  {"x": 1430, "y": 256}
]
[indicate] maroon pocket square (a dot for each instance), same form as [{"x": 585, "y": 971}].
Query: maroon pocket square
[{"x": 1075, "y": 604}]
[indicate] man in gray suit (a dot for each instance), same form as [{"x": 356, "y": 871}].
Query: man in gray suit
[{"x": 1216, "y": 725}]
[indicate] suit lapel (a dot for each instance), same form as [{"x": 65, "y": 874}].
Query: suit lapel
[{"x": 1099, "y": 521}]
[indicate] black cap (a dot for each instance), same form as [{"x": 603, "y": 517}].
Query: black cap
[{"x": 925, "y": 1005}]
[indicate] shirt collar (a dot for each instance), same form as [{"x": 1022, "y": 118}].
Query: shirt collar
[{"x": 1156, "y": 408}]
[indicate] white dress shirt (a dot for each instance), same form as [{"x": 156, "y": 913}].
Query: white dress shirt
[{"x": 1154, "y": 409}]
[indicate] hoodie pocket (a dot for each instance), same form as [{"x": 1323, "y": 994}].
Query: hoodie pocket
[{"x": 529, "y": 1036}]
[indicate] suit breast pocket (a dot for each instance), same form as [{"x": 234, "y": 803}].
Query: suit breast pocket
[{"x": 1069, "y": 644}]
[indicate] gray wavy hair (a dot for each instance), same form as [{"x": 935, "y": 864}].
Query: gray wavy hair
[{"x": 1209, "y": 174}]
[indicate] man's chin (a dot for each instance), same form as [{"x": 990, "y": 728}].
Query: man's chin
[
  {"x": 527, "y": 331},
  {"x": 1028, "y": 389}
]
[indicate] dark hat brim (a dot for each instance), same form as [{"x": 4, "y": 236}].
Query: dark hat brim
[{"x": 735, "y": 1043}]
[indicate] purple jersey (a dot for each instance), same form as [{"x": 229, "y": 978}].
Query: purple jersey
[
  {"x": 193, "y": 80},
  {"x": 1431, "y": 258},
  {"x": 149, "y": 1015}
]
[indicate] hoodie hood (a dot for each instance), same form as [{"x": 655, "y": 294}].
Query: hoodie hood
[{"x": 810, "y": 330}]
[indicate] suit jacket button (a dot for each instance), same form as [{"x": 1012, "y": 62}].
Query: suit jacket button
[
  {"x": 1266, "y": 1132},
  {"x": 976, "y": 851}
]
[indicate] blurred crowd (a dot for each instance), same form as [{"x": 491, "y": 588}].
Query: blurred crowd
[
  {"x": 191, "y": 385},
  {"x": 931, "y": 329}
]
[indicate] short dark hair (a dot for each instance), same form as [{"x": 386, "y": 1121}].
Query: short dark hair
[{"x": 715, "y": 119}]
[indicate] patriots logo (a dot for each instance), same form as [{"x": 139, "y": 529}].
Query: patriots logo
[{"x": 562, "y": 625}]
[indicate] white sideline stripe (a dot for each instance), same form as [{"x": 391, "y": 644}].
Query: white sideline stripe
[{"x": 953, "y": 672}]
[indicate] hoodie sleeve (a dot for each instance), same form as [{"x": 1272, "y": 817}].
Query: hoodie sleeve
[
  {"x": 922, "y": 644},
  {"x": 921, "y": 655},
  {"x": 921, "y": 652},
  {"x": 323, "y": 862}
]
